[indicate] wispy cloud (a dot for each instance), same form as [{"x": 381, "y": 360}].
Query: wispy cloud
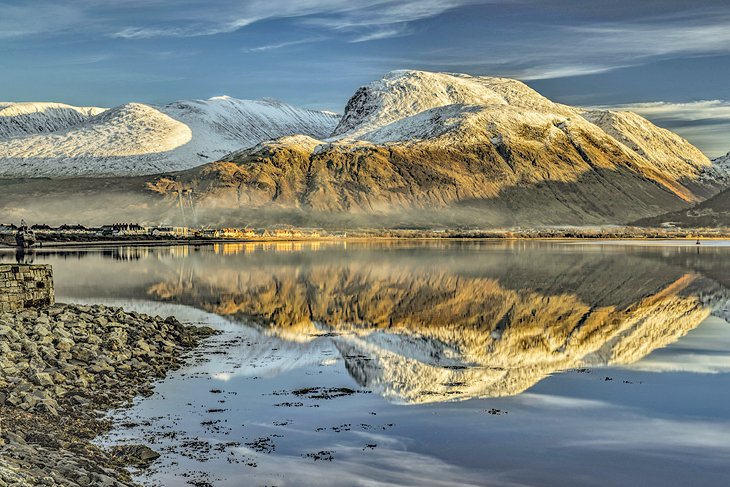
[
  {"x": 681, "y": 112},
  {"x": 364, "y": 20},
  {"x": 383, "y": 33},
  {"x": 710, "y": 34},
  {"x": 532, "y": 49},
  {"x": 194, "y": 30},
  {"x": 280, "y": 45},
  {"x": 554, "y": 70},
  {"x": 575, "y": 46}
]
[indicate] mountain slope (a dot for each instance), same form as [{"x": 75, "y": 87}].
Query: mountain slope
[
  {"x": 135, "y": 139},
  {"x": 488, "y": 147},
  {"x": 711, "y": 213},
  {"x": 412, "y": 149},
  {"x": 18, "y": 119},
  {"x": 723, "y": 162}
]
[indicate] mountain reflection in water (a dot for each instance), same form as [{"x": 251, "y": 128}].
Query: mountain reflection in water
[{"x": 432, "y": 322}]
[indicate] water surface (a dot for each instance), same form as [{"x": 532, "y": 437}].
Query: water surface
[{"x": 469, "y": 363}]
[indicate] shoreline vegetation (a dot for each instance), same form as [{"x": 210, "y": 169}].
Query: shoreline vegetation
[
  {"x": 623, "y": 233},
  {"x": 62, "y": 369}
]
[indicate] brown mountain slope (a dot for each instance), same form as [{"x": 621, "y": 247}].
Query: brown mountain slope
[
  {"x": 714, "y": 212},
  {"x": 493, "y": 147},
  {"x": 414, "y": 148}
]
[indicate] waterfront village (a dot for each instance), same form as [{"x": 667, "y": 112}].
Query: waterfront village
[
  {"x": 42, "y": 233},
  {"x": 137, "y": 231}
]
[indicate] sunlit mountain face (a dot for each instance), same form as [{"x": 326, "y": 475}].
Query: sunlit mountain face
[{"x": 425, "y": 323}]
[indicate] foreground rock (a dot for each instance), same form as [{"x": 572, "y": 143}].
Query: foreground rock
[{"x": 61, "y": 369}]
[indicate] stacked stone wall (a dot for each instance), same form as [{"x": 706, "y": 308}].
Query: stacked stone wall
[{"x": 24, "y": 286}]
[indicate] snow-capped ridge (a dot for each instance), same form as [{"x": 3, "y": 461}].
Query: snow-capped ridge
[
  {"x": 405, "y": 93},
  {"x": 449, "y": 110},
  {"x": 137, "y": 139},
  {"x": 19, "y": 119},
  {"x": 723, "y": 162}
]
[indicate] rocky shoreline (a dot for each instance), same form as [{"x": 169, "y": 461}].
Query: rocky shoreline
[{"x": 62, "y": 369}]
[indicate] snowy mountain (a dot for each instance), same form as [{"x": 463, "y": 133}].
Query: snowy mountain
[
  {"x": 18, "y": 119},
  {"x": 413, "y": 148},
  {"x": 480, "y": 150},
  {"x": 386, "y": 110},
  {"x": 134, "y": 139},
  {"x": 723, "y": 162}
]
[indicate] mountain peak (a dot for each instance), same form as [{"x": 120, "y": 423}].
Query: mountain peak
[{"x": 405, "y": 93}]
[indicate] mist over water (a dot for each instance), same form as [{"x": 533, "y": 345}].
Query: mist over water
[{"x": 474, "y": 363}]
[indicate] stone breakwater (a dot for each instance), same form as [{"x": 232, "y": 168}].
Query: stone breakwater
[
  {"x": 61, "y": 369},
  {"x": 25, "y": 286}
]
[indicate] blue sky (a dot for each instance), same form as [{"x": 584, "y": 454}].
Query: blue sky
[{"x": 667, "y": 59}]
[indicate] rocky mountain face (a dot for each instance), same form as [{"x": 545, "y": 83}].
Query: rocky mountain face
[
  {"x": 457, "y": 144},
  {"x": 51, "y": 140}
]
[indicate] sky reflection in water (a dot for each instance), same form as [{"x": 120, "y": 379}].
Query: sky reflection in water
[{"x": 517, "y": 363}]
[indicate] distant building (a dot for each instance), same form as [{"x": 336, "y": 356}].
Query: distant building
[
  {"x": 237, "y": 233},
  {"x": 8, "y": 228},
  {"x": 73, "y": 229},
  {"x": 169, "y": 231},
  {"x": 123, "y": 229},
  {"x": 209, "y": 233},
  {"x": 42, "y": 228},
  {"x": 311, "y": 232},
  {"x": 282, "y": 233}
]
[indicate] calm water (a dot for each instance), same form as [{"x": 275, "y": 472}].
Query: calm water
[{"x": 518, "y": 363}]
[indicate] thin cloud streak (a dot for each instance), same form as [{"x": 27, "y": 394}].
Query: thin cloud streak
[
  {"x": 280, "y": 45},
  {"x": 335, "y": 15},
  {"x": 578, "y": 51},
  {"x": 387, "y": 33},
  {"x": 689, "y": 111}
]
